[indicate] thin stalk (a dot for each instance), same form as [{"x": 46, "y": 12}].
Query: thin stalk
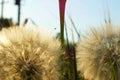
[
  {"x": 62, "y": 4},
  {"x": 68, "y": 55},
  {"x": 74, "y": 26},
  {"x": 114, "y": 68},
  {"x": 70, "y": 52}
]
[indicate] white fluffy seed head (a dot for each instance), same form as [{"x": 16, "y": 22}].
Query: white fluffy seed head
[
  {"x": 98, "y": 53},
  {"x": 25, "y": 54}
]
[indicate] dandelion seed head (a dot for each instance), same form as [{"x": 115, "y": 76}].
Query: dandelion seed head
[
  {"x": 27, "y": 55},
  {"x": 98, "y": 51}
]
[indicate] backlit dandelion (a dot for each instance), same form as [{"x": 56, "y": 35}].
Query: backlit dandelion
[
  {"x": 98, "y": 54},
  {"x": 25, "y": 54}
]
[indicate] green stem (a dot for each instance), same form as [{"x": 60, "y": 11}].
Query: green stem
[{"x": 114, "y": 68}]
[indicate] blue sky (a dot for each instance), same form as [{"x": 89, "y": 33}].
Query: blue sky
[{"x": 45, "y": 13}]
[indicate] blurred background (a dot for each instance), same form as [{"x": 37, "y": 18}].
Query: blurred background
[{"x": 45, "y": 13}]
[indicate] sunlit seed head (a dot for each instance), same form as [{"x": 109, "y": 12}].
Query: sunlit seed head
[
  {"x": 98, "y": 53},
  {"x": 27, "y": 55}
]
